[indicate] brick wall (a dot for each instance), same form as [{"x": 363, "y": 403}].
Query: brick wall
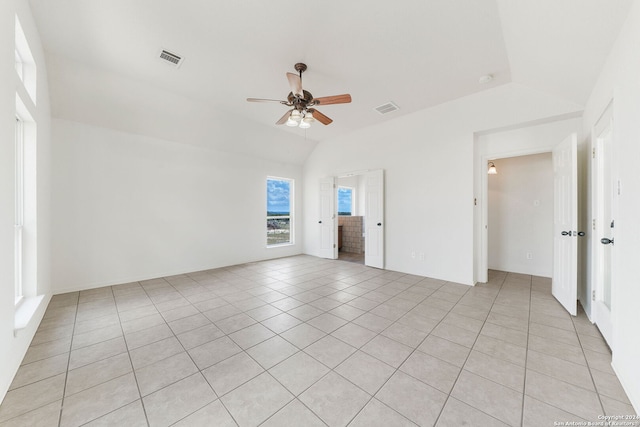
[{"x": 352, "y": 240}]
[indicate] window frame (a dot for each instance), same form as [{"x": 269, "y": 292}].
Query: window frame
[
  {"x": 290, "y": 216},
  {"x": 19, "y": 203}
]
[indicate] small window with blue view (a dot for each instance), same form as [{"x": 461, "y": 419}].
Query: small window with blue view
[
  {"x": 345, "y": 201},
  {"x": 279, "y": 207}
]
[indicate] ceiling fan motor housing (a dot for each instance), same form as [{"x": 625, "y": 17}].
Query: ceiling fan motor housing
[{"x": 300, "y": 103}]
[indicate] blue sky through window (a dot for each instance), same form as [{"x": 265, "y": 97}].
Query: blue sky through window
[
  {"x": 345, "y": 200},
  {"x": 278, "y": 196}
]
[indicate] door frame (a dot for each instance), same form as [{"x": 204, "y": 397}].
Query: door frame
[
  {"x": 335, "y": 204},
  {"x": 481, "y": 231},
  {"x": 599, "y": 229}
]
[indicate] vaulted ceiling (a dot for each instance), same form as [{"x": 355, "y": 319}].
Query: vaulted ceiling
[{"x": 416, "y": 53}]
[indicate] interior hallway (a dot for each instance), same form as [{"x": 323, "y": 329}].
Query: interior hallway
[{"x": 313, "y": 342}]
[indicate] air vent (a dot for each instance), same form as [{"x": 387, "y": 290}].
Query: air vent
[
  {"x": 171, "y": 58},
  {"x": 387, "y": 108}
]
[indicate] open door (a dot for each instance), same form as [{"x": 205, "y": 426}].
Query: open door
[
  {"x": 604, "y": 208},
  {"x": 565, "y": 223},
  {"x": 374, "y": 219},
  {"x": 327, "y": 220}
]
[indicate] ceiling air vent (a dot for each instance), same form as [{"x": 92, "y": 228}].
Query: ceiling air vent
[
  {"x": 387, "y": 108},
  {"x": 171, "y": 58}
]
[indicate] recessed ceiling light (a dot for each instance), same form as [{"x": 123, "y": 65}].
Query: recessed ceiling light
[{"x": 485, "y": 79}]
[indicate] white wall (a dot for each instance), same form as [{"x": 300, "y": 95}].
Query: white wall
[
  {"x": 428, "y": 158},
  {"x": 130, "y": 207},
  {"x": 520, "y": 205},
  {"x": 13, "y": 348},
  {"x": 619, "y": 82}
]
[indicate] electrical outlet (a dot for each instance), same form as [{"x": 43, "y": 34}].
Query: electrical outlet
[{"x": 529, "y": 255}]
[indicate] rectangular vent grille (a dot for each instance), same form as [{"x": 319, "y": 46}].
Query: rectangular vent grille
[
  {"x": 387, "y": 108},
  {"x": 172, "y": 58}
]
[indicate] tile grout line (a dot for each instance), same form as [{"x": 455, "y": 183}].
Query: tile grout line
[
  {"x": 332, "y": 370},
  {"x": 526, "y": 354},
  {"x": 409, "y": 355},
  {"x": 115, "y": 302},
  {"x": 66, "y": 374},
  {"x": 595, "y": 388},
  {"x": 467, "y": 358},
  {"x": 185, "y": 350},
  {"x": 242, "y": 351}
]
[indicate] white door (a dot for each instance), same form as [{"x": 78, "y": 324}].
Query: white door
[
  {"x": 604, "y": 231},
  {"x": 374, "y": 219},
  {"x": 327, "y": 219},
  {"x": 565, "y": 223}
]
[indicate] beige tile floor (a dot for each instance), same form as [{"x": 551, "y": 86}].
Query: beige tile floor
[
  {"x": 302, "y": 341},
  {"x": 351, "y": 257}
]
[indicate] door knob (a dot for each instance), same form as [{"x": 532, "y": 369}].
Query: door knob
[
  {"x": 319, "y": 222},
  {"x": 581, "y": 233},
  {"x": 566, "y": 233},
  {"x": 379, "y": 224},
  {"x": 606, "y": 241}
]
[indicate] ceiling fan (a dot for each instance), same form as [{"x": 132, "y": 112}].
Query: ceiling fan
[{"x": 302, "y": 114}]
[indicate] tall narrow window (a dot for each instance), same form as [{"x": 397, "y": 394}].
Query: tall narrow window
[
  {"x": 345, "y": 201},
  {"x": 25, "y": 64},
  {"x": 279, "y": 211},
  {"x": 19, "y": 207}
]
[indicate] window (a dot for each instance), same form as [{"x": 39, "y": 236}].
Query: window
[
  {"x": 19, "y": 207},
  {"x": 25, "y": 64},
  {"x": 19, "y": 66},
  {"x": 279, "y": 211},
  {"x": 345, "y": 201}
]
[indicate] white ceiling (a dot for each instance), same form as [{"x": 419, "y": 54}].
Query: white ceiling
[{"x": 416, "y": 53}]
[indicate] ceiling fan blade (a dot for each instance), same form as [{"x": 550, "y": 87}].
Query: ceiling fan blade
[
  {"x": 320, "y": 117},
  {"x": 295, "y": 82},
  {"x": 284, "y": 118},
  {"x": 266, "y": 100},
  {"x": 335, "y": 99}
]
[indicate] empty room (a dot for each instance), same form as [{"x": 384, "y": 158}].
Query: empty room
[{"x": 319, "y": 214}]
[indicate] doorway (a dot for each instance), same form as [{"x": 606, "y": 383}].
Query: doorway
[
  {"x": 367, "y": 229},
  {"x": 350, "y": 204},
  {"x": 565, "y": 171},
  {"x": 520, "y": 215}
]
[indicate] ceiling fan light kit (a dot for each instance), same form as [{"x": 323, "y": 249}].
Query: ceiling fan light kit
[{"x": 302, "y": 115}]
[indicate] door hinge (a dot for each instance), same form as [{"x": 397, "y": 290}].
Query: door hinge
[
  {"x": 475, "y": 201},
  {"x": 334, "y": 245},
  {"x": 593, "y": 153},
  {"x": 593, "y": 295},
  {"x": 593, "y": 224}
]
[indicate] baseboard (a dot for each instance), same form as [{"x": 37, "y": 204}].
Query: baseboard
[
  {"x": 148, "y": 276},
  {"x": 635, "y": 400}
]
